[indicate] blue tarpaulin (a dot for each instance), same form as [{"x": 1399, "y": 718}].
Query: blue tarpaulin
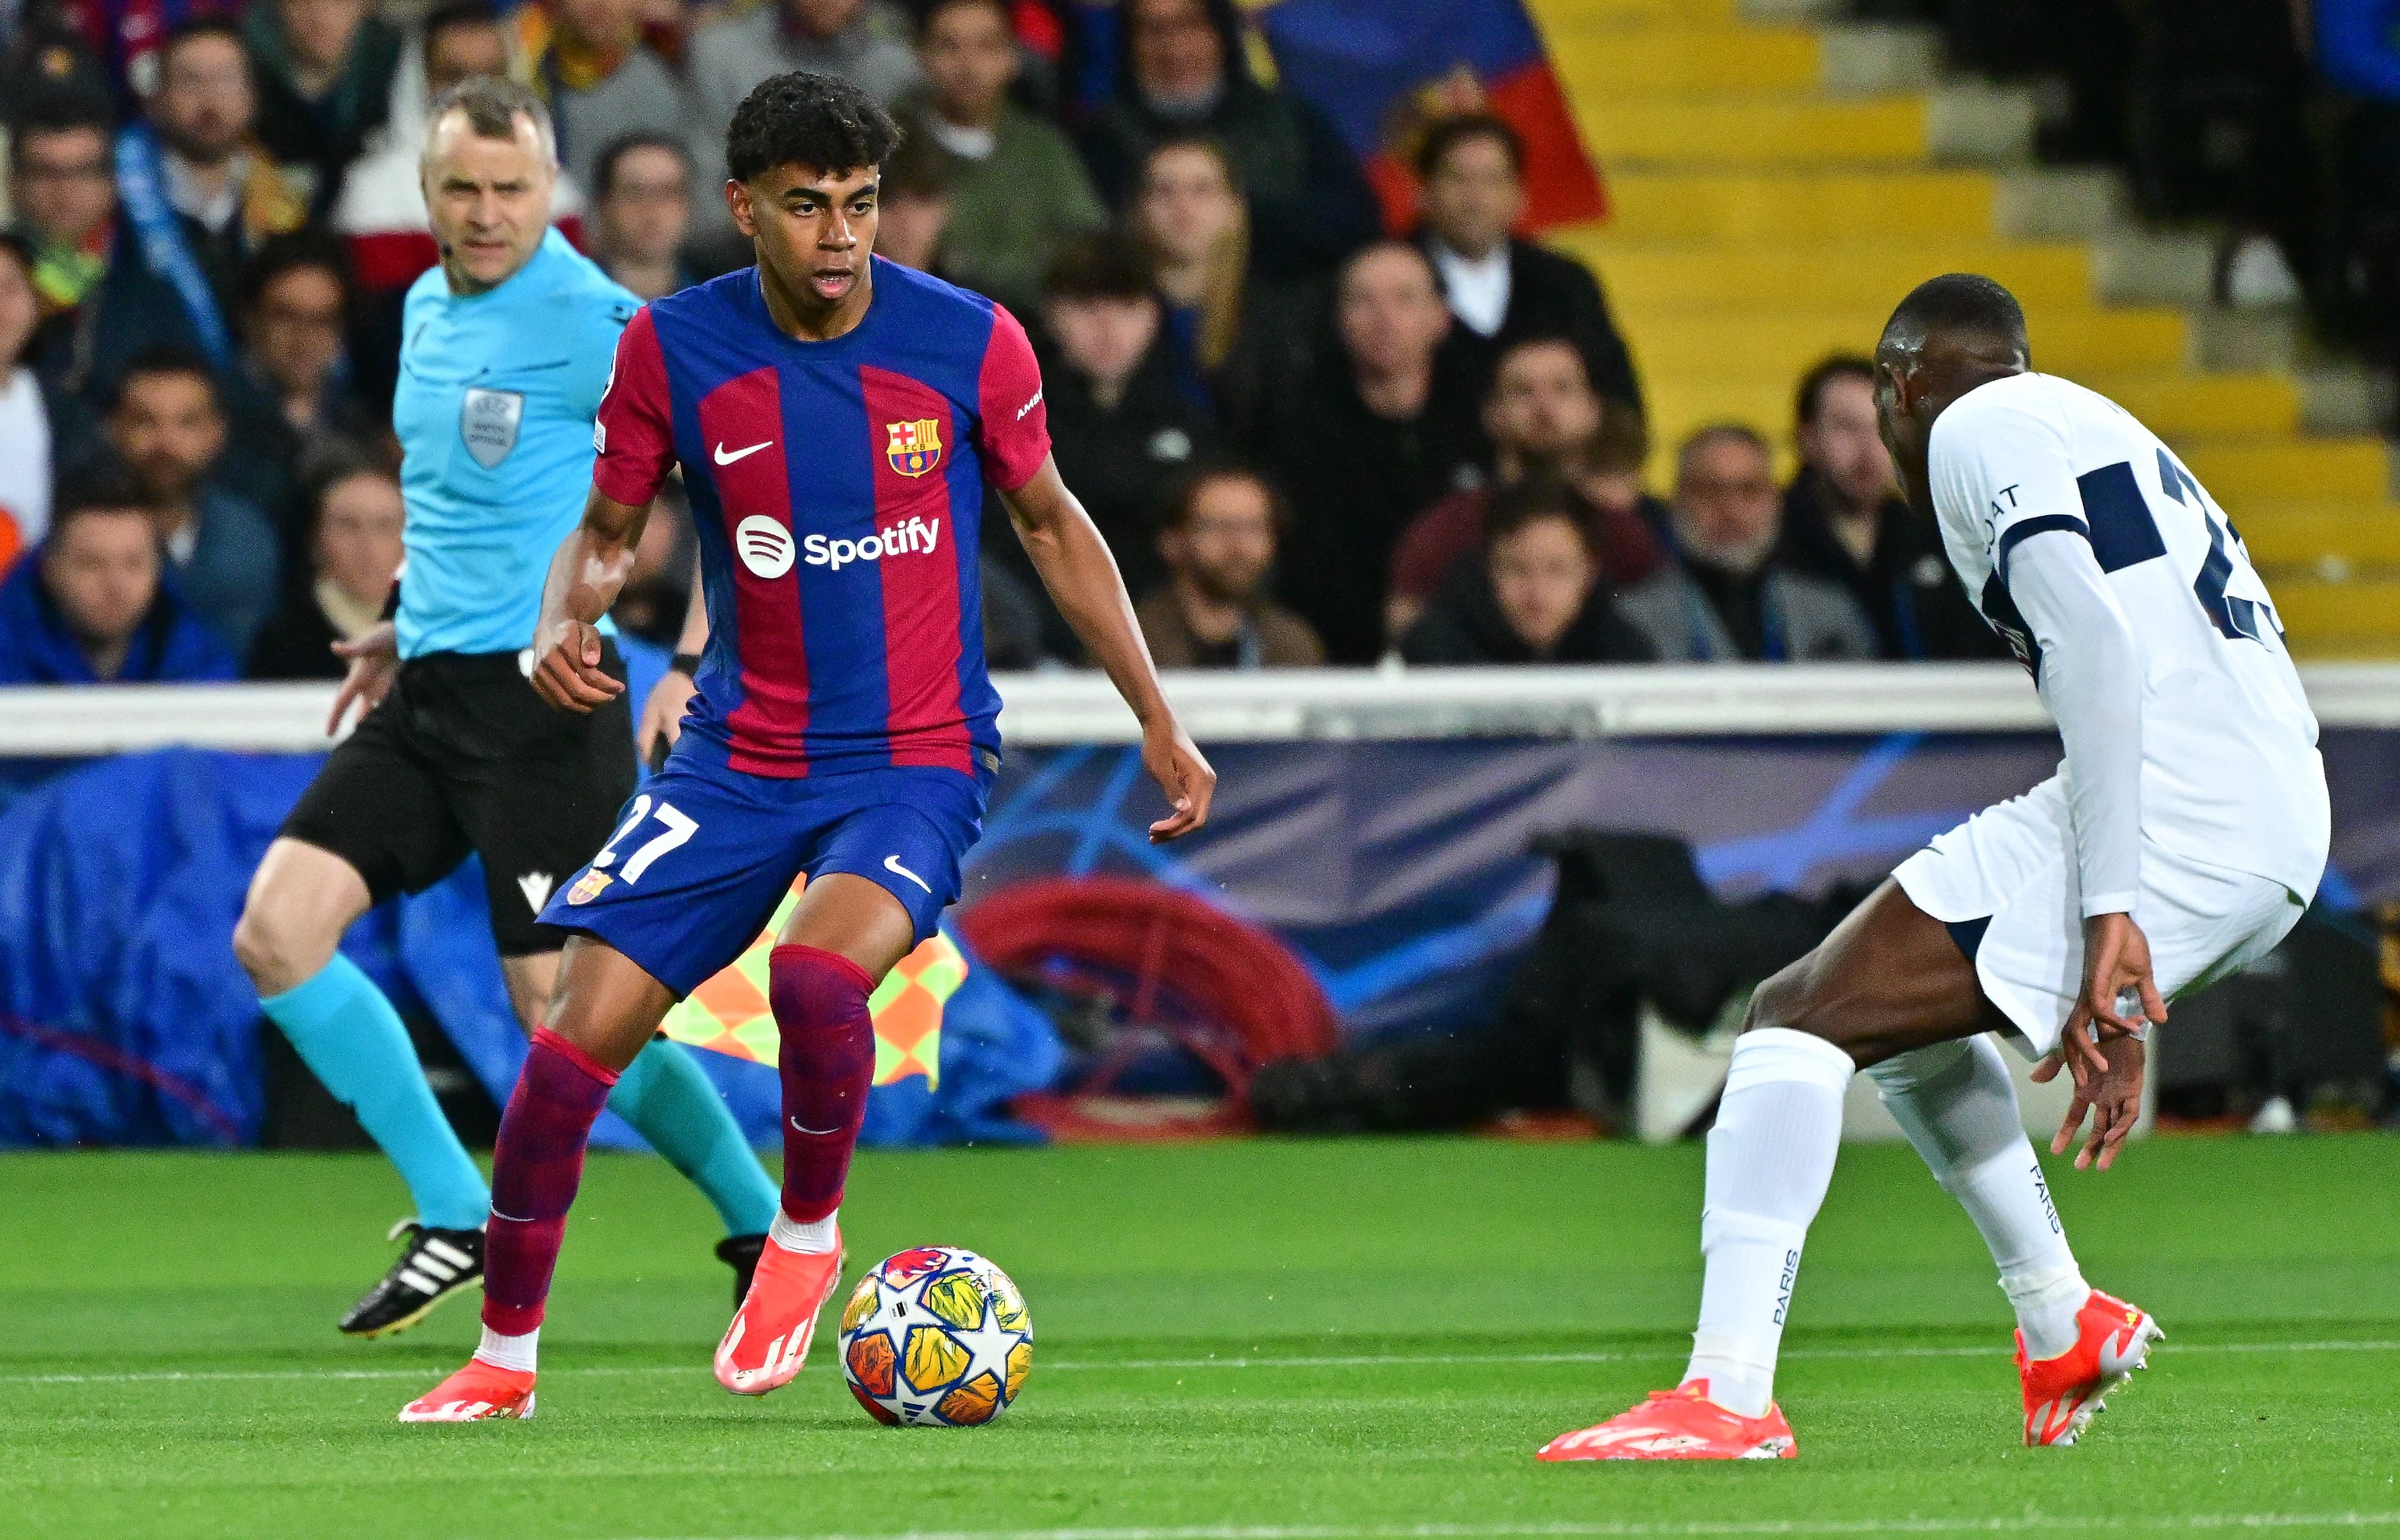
[{"x": 124, "y": 1018}]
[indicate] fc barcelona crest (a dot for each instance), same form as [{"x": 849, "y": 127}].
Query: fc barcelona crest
[{"x": 916, "y": 447}]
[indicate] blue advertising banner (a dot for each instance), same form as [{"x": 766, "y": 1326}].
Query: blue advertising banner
[{"x": 1398, "y": 872}]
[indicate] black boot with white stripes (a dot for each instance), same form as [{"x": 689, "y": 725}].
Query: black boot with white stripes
[{"x": 437, "y": 1264}]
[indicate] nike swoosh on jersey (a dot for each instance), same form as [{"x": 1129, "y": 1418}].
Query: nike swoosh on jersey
[
  {"x": 817, "y": 1133},
  {"x": 723, "y": 458},
  {"x": 892, "y": 864}
]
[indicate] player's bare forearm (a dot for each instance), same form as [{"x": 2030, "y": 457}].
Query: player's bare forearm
[
  {"x": 591, "y": 566},
  {"x": 1082, "y": 581}
]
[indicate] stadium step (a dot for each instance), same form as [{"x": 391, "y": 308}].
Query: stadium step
[
  {"x": 1564, "y": 21},
  {"x": 1733, "y": 207},
  {"x": 2183, "y": 409},
  {"x": 1780, "y": 344},
  {"x": 2356, "y": 471},
  {"x": 2352, "y": 618},
  {"x": 1688, "y": 61},
  {"x": 2328, "y": 541},
  {"x": 1754, "y": 131},
  {"x": 1869, "y": 277}
]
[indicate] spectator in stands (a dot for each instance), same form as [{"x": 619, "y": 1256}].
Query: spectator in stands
[
  {"x": 863, "y": 41},
  {"x": 1541, "y": 415},
  {"x": 1239, "y": 341},
  {"x": 1845, "y": 521},
  {"x": 1121, "y": 432},
  {"x": 324, "y": 73},
  {"x": 168, "y": 427},
  {"x": 1184, "y": 71},
  {"x": 1724, "y": 596},
  {"x": 295, "y": 323},
  {"x": 1017, "y": 189},
  {"x": 1214, "y": 609},
  {"x": 1537, "y": 595},
  {"x": 381, "y": 215},
  {"x": 914, "y": 193},
  {"x": 1013, "y": 618},
  {"x": 1376, "y": 435},
  {"x": 40, "y": 427},
  {"x": 589, "y": 59},
  {"x": 106, "y": 49},
  {"x": 657, "y": 590},
  {"x": 2358, "y": 53},
  {"x": 380, "y": 194},
  {"x": 63, "y": 193},
  {"x": 641, "y": 210},
  {"x": 354, "y": 552},
  {"x": 93, "y": 605},
  {"x": 1502, "y": 289},
  {"x": 200, "y": 196}
]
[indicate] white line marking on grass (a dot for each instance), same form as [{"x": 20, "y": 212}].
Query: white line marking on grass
[
  {"x": 1603, "y": 1531},
  {"x": 1363, "y": 1360}
]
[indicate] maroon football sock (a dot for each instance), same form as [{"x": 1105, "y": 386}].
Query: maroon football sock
[
  {"x": 828, "y": 1061},
  {"x": 536, "y": 1167}
]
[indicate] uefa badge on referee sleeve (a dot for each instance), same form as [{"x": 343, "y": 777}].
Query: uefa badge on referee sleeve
[{"x": 488, "y": 421}]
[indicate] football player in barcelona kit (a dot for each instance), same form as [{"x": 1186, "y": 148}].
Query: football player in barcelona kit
[{"x": 836, "y": 418}]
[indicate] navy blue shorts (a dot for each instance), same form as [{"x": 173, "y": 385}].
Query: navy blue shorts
[{"x": 704, "y": 854}]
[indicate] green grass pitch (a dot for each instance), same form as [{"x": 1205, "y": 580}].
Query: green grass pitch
[{"x": 1241, "y": 1341}]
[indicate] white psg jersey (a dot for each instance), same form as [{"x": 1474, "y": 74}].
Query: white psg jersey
[{"x": 2229, "y": 773}]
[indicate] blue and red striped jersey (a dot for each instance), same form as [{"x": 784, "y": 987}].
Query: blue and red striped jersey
[{"x": 836, "y": 488}]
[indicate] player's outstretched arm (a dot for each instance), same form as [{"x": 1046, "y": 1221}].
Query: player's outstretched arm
[
  {"x": 592, "y": 565},
  {"x": 1083, "y": 580}
]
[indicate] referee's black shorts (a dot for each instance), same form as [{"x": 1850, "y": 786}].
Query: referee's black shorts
[{"x": 463, "y": 757}]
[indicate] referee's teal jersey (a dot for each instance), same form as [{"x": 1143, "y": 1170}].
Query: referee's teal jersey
[{"x": 494, "y": 414}]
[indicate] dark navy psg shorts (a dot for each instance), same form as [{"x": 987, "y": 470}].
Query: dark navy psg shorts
[{"x": 703, "y": 855}]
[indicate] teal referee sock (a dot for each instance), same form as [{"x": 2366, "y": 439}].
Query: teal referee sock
[
  {"x": 346, "y": 1030},
  {"x": 670, "y": 1101}
]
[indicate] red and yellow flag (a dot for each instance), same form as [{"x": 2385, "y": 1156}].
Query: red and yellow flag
[{"x": 729, "y": 1014}]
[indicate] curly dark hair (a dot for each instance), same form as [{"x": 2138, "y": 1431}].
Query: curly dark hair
[{"x": 820, "y": 121}]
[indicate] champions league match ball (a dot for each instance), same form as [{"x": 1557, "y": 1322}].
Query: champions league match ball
[{"x": 936, "y": 1336}]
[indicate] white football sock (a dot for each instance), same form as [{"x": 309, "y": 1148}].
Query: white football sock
[
  {"x": 1770, "y": 1159},
  {"x": 507, "y": 1352},
  {"x": 1958, "y": 1105},
  {"x": 792, "y": 1235}
]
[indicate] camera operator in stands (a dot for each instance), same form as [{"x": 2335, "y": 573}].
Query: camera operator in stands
[{"x": 94, "y": 605}]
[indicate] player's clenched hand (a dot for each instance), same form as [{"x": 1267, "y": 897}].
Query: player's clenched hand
[
  {"x": 662, "y": 713},
  {"x": 568, "y": 674},
  {"x": 2112, "y": 1094},
  {"x": 1175, "y": 762},
  {"x": 2119, "y": 993},
  {"x": 375, "y": 662}
]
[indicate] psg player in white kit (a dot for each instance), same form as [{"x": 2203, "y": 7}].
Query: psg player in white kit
[{"x": 2181, "y": 839}]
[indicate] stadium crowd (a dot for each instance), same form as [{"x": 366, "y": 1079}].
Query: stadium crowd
[{"x": 1311, "y": 433}]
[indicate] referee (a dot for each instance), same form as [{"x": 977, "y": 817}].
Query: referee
[{"x": 506, "y": 351}]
